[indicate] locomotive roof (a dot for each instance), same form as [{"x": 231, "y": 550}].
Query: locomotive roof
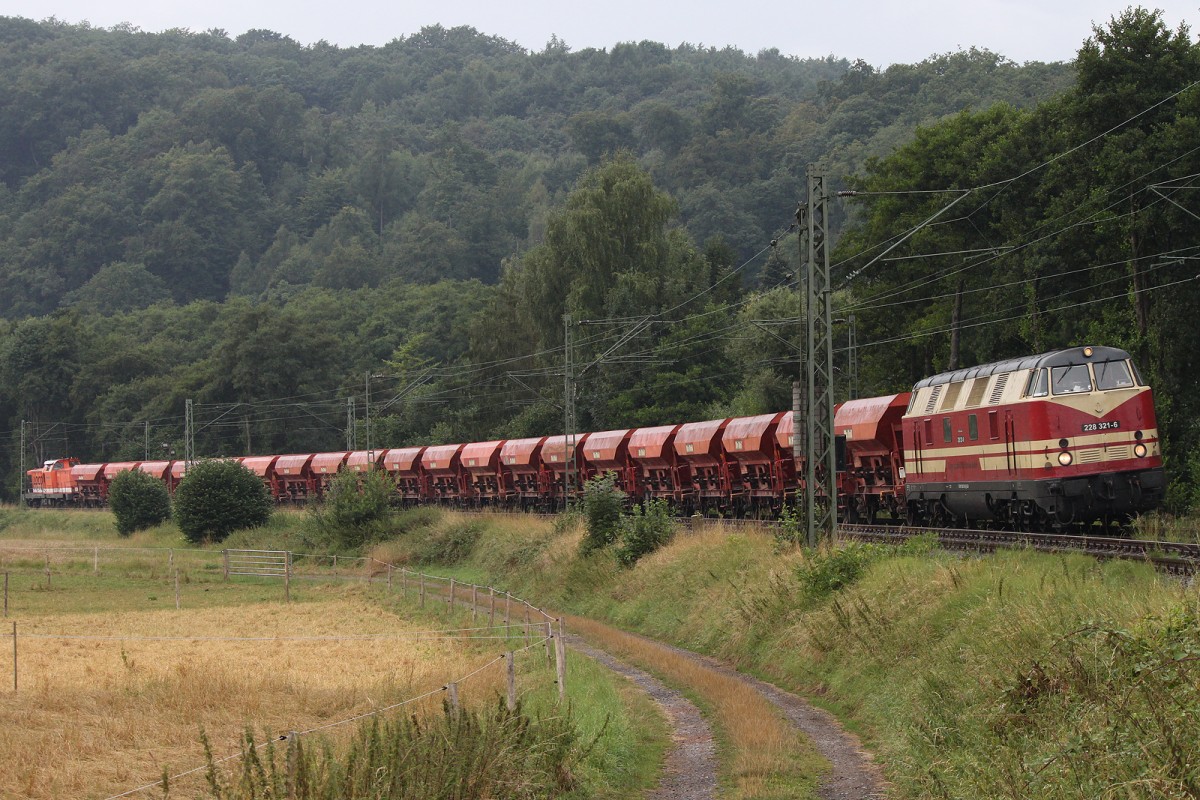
[{"x": 1055, "y": 358}]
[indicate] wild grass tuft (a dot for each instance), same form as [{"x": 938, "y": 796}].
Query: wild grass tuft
[{"x": 494, "y": 753}]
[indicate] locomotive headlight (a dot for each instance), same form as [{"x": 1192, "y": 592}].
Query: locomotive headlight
[
  {"x": 1065, "y": 458},
  {"x": 1139, "y": 450}
]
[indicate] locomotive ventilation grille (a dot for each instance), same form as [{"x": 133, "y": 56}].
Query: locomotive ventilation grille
[
  {"x": 933, "y": 398},
  {"x": 998, "y": 389},
  {"x": 1116, "y": 453},
  {"x": 1093, "y": 456}
]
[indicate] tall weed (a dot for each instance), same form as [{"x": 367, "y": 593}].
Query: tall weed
[{"x": 494, "y": 753}]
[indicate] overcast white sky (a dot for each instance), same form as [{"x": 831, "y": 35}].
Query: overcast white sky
[{"x": 880, "y": 32}]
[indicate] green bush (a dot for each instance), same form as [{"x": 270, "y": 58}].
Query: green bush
[
  {"x": 450, "y": 546},
  {"x": 138, "y": 501},
  {"x": 603, "y": 504},
  {"x": 824, "y": 572},
  {"x": 216, "y": 498},
  {"x": 792, "y": 528},
  {"x": 356, "y": 508},
  {"x": 645, "y": 529}
]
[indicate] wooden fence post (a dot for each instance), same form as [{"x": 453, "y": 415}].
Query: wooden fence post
[
  {"x": 474, "y": 602},
  {"x": 422, "y": 590},
  {"x": 560, "y": 663},
  {"x": 389, "y": 578},
  {"x": 451, "y": 596},
  {"x": 225, "y": 553},
  {"x": 492, "y": 607},
  {"x": 510, "y": 668},
  {"x": 549, "y": 643},
  {"x": 452, "y": 688}
]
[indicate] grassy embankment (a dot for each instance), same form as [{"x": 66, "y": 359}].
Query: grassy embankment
[
  {"x": 95, "y": 716},
  {"x": 1016, "y": 675}
]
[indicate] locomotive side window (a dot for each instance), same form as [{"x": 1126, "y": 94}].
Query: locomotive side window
[
  {"x": 1038, "y": 387},
  {"x": 947, "y": 433},
  {"x": 1113, "y": 375},
  {"x": 993, "y": 425},
  {"x": 928, "y": 431},
  {"x": 972, "y": 427},
  {"x": 1071, "y": 380}
]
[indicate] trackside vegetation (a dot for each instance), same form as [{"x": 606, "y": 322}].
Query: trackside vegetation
[{"x": 1013, "y": 675}]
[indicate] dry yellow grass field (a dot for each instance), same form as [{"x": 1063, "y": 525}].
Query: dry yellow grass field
[{"x": 94, "y": 717}]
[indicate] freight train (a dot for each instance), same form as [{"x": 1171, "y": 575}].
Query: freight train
[{"x": 1066, "y": 438}]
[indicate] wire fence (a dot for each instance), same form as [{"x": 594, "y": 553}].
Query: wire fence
[{"x": 496, "y": 615}]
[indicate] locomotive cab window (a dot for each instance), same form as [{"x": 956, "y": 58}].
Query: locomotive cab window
[
  {"x": 1113, "y": 375},
  {"x": 1038, "y": 386},
  {"x": 1071, "y": 380},
  {"x": 1137, "y": 376}
]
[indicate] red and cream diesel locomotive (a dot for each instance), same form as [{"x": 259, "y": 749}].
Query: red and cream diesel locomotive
[
  {"x": 1063, "y": 439},
  {"x": 1040, "y": 442}
]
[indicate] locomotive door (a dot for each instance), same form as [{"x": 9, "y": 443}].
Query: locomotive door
[
  {"x": 917, "y": 465},
  {"x": 1010, "y": 444}
]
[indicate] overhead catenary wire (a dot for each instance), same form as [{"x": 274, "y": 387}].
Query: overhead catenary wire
[{"x": 1006, "y": 183}]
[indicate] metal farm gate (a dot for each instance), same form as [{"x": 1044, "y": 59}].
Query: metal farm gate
[{"x": 261, "y": 564}]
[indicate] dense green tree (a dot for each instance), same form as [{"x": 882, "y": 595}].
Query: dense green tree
[
  {"x": 119, "y": 287},
  {"x": 138, "y": 501},
  {"x": 216, "y": 498}
]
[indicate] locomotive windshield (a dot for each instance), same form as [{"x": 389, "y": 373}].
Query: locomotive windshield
[
  {"x": 1113, "y": 375},
  {"x": 1071, "y": 380}
]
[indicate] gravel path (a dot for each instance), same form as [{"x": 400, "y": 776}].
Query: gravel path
[
  {"x": 854, "y": 775},
  {"x": 690, "y": 772}
]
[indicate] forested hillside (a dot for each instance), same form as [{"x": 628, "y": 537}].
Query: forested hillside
[{"x": 272, "y": 230}]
